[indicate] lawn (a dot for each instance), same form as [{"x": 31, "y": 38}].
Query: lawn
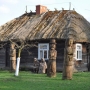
[{"x": 31, "y": 81}]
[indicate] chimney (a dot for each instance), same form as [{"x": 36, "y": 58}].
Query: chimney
[{"x": 40, "y": 9}]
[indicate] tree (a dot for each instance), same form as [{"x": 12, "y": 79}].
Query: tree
[{"x": 20, "y": 47}]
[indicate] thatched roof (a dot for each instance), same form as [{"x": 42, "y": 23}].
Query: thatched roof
[{"x": 52, "y": 24}]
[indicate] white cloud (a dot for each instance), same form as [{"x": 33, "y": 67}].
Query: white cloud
[
  {"x": 10, "y": 1},
  {"x": 4, "y": 9}
]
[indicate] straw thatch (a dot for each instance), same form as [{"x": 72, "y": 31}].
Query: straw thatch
[{"x": 51, "y": 24}]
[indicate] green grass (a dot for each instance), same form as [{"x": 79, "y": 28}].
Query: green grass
[{"x": 30, "y": 81}]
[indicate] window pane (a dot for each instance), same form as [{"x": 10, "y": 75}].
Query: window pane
[
  {"x": 41, "y": 54},
  {"x": 78, "y": 47},
  {"x": 77, "y": 54},
  {"x": 43, "y": 46},
  {"x": 80, "y": 54},
  {"x": 45, "y": 54}
]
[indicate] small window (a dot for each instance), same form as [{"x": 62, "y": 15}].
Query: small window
[
  {"x": 43, "y": 51},
  {"x": 78, "y": 52}
]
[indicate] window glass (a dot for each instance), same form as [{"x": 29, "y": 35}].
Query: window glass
[
  {"x": 78, "y": 47},
  {"x": 43, "y": 46},
  {"x": 80, "y": 54},
  {"x": 41, "y": 54},
  {"x": 45, "y": 54},
  {"x": 77, "y": 54}
]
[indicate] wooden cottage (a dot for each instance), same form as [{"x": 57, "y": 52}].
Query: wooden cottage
[{"x": 37, "y": 28}]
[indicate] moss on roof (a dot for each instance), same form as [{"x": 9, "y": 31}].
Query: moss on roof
[{"x": 52, "y": 24}]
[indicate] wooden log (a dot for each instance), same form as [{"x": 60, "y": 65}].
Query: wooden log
[
  {"x": 68, "y": 61},
  {"x": 51, "y": 70},
  {"x": 12, "y": 58}
]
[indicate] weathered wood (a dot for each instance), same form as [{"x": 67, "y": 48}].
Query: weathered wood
[
  {"x": 28, "y": 55},
  {"x": 2, "y": 58},
  {"x": 12, "y": 58},
  {"x": 51, "y": 70},
  {"x": 68, "y": 61},
  {"x": 48, "y": 25},
  {"x": 43, "y": 66}
]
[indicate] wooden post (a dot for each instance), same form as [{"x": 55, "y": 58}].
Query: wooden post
[
  {"x": 68, "y": 61},
  {"x": 12, "y": 58},
  {"x": 51, "y": 70}
]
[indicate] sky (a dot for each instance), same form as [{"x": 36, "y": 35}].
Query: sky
[{"x": 10, "y": 9}]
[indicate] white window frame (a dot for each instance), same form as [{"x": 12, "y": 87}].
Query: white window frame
[
  {"x": 39, "y": 58},
  {"x": 78, "y": 52}
]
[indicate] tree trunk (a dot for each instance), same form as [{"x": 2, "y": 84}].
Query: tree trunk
[{"x": 18, "y": 62}]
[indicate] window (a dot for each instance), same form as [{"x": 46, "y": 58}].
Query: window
[
  {"x": 78, "y": 52},
  {"x": 43, "y": 51}
]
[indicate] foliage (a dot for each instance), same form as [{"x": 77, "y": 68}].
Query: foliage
[{"x": 31, "y": 81}]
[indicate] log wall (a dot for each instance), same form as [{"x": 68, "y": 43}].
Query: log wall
[
  {"x": 2, "y": 58},
  {"x": 27, "y": 57}
]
